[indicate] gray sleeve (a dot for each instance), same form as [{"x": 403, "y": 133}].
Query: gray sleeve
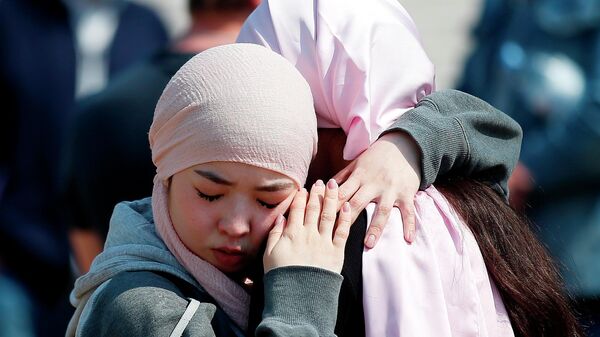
[
  {"x": 143, "y": 304},
  {"x": 460, "y": 134},
  {"x": 300, "y": 301}
]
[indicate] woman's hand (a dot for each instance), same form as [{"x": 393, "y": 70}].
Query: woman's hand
[
  {"x": 387, "y": 173},
  {"x": 310, "y": 237}
]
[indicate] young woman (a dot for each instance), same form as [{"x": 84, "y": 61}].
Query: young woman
[
  {"x": 232, "y": 138},
  {"x": 366, "y": 67},
  {"x": 181, "y": 262}
]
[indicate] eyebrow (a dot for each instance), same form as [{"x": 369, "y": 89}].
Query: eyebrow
[
  {"x": 213, "y": 177},
  {"x": 274, "y": 187}
]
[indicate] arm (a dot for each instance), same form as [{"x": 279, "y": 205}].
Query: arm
[
  {"x": 303, "y": 260},
  {"x": 457, "y": 133},
  {"x": 448, "y": 133},
  {"x": 299, "y": 301},
  {"x": 142, "y": 304}
]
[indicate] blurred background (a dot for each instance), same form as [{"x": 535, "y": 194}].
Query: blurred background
[{"x": 79, "y": 80}]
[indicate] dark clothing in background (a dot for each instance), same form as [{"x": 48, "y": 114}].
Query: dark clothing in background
[
  {"x": 109, "y": 159},
  {"x": 139, "y": 35},
  {"x": 37, "y": 79},
  {"x": 37, "y": 91},
  {"x": 539, "y": 61}
]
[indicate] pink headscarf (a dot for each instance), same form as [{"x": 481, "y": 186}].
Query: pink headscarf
[
  {"x": 362, "y": 59},
  {"x": 239, "y": 103}
]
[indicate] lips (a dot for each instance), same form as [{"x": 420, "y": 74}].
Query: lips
[{"x": 229, "y": 256}]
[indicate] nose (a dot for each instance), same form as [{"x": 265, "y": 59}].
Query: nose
[{"x": 235, "y": 222}]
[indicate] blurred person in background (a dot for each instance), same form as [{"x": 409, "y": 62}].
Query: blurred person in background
[
  {"x": 115, "y": 122},
  {"x": 51, "y": 52},
  {"x": 539, "y": 61}
]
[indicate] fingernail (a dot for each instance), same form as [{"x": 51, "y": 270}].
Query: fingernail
[
  {"x": 346, "y": 207},
  {"x": 331, "y": 184},
  {"x": 371, "y": 241},
  {"x": 279, "y": 220},
  {"x": 319, "y": 183}
]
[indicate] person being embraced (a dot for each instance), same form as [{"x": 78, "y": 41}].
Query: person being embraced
[
  {"x": 370, "y": 76},
  {"x": 232, "y": 138},
  {"x": 367, "y": 70}
]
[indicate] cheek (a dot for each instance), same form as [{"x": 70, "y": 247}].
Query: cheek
[
  {"x": 266, "y": 220},
  {"x": 191, "y": 220},
  {"x": 261, "y": 227}
]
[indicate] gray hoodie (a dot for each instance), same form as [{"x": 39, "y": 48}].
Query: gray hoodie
[{"x": 125, "y": 292}]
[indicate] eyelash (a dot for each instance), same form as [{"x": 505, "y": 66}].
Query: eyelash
[
  {"x": 211, "y": 198},
  {"x": 268, "y": 206}
]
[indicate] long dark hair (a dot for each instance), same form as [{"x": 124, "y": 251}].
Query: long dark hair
[{"x": 522, "y": 269}]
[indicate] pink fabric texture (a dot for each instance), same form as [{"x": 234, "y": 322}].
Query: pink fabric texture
[
  {"x": 437, "y": 286},
  {"x": 366, "y": 66},
  {"x": 240, "y": 103},
  {"x": 362, "y": 59}
]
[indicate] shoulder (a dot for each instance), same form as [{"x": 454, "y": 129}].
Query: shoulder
[
  {"x": 137, "y": 212},
  {"x": 142, "y": 304}
]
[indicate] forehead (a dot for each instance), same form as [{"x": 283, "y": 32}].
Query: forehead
[{"x": 235, "y": 173}]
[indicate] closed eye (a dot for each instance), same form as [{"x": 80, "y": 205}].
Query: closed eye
[
  {"x": 264, "y": 204},
  {"x": 209, "y": 198}
]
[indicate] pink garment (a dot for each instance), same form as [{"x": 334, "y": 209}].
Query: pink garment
[
  {"x": 362, "y": 59},
  {"x": 365, "y": 65},
  {"x": 436, "y": 287}
]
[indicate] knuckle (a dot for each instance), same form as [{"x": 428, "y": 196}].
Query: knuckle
[
  {"x": 291, "y": 235},
  {"x": 384, "y": 210},
  {"x": 410, "y": 212},
  {"x": 359, "y": 171},
  {"x": 296, "y": 212},
  {"x": 327, "y": 217},
  {"x": 406, "y": 207},
  {"x": 375, "y": 229},
  {"x": 313, "y": 207},
  {"x": 297, "y": 205},
  {"x": 342, "y": 233},
  {"x": 332, "y": 195},
  {"x": 356, "y": 202}
]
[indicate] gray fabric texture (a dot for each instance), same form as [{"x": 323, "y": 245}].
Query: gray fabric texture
[
  {"x": 127, "y": 293},
  {"x": 460, "y": 134}
]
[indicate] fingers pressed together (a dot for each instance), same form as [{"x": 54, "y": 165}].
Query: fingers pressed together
[{"x": 313, "y": 234}]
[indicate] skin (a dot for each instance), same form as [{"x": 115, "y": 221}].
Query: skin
[
  {"x": 223, "y": 211},
  {"x": 387, "y": 173}
]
